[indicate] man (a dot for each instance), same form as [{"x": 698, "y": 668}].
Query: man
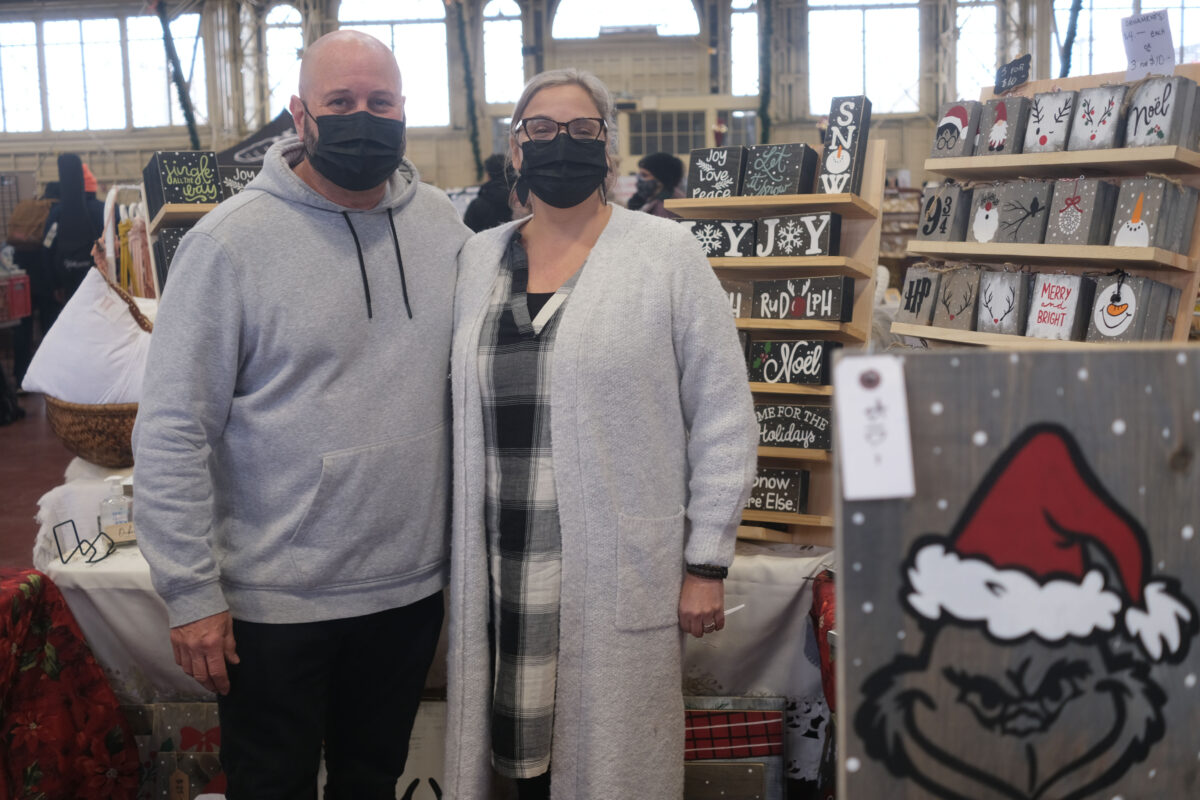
[
  {"x": 658, "y": 178},
  {"x": 292, "y": 444}
]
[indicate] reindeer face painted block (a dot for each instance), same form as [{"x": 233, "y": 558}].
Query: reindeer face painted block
[
  {"x": 723, "y": 238},
  {"x": 1099, "y": 123},
  {"x": 799, "y": 235},
  {"x": 1003, "y": 302},
  {"x": 798, "y": 362},
  {"x": 829, "y": 299},
  {"x": 957, "y": 124},
  {"x": 773, "y": 169},
  {"x": 1024, "y": 211},
  {"x": 716, "y": 171},
  {"x": 1059, "y": 307},
  {"x": 1138, "y": 221},
  {"x": 1159, "y": 112},
  {"x": 1119, "y": 309},
  {"x": 957, "y": 299},
  {"x": 983, "y": 223},
  {"x": 1002, "y": 126},
  {"x": 919, "y": 295},
  {"x": 1049, "y": 122},
  {"x": 944, "y": 212},
  {"x": 741, "y": 295},
  {"x": 1081, "y": 211},
  {"x": 845, "y": 152}
]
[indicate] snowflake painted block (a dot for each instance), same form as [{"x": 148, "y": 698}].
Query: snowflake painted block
[
  {"x": 1003, "y": 302},
  {"x": 845, "y": 152},
  {"x": 1049, "y": 124},
  {"x": 1059, "y": 306},
  {"x": 1099, "y": 120},
  {"x": 919, "y": 295},
  {"x": 1120, "y": 309},
  {"x": 716, "y": 171},
  {"x": 1160, "y": 111},
  {"x": 792, "y": 361},
  {"x": 741, "y": 295},
  {"x": 1024, "y": 211},
  {"x": 958, "y": 124},
  {"x": 957, "y": 299},
  {"x": 180, "y": 176},
  {"x": 1138, "y": 221},
  {"x": 808, "y": 427},
  {"x": 830, "y": 299},
  {"x": 983, "y": 224},
  {"x": 723, "y": 238},
  {"x": 1002, "y": 126},
  {"x": 783, "y": 490},
  {"x": 944, "y": 212},
  {"x": 1081, "y": 211},
  {"x": 773, "y": 169},
  {"x": 799, "y": 235}
]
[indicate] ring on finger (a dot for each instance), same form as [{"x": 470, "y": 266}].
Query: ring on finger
[{"x": 710, "y": 626}]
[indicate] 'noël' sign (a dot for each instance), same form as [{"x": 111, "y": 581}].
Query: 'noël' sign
[
  {"x": 716, "y": 171},
  {"x": 845, "y": 154},
  {"x": 787, "y": 425},
  {"x": 797, "y": 362},
  {"x": 799, "y": 235},
  {"x": 784, "y": 490},
  {"x": 805, "y": 298}
]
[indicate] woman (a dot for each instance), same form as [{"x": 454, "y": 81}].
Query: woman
[
  {"x": 658, "y": 178},
  {"x": 604, "y": 440}
]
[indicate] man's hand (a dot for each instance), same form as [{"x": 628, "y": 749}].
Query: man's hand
[
  {"x": 701, "y": 605},
  {"x": 202, "y": 648}
]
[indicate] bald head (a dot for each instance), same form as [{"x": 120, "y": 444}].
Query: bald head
[{"x": 335, "y": 60}]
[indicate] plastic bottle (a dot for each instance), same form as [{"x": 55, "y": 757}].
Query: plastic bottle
[{"x": 115, "y": 512}]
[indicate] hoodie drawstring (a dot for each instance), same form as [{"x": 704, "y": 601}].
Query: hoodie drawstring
[
  {"x": 400, "y": 262},
  {"x": 362, "y": 267}
]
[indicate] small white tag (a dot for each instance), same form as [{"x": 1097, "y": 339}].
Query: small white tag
[
  {"x": 875, "y": 446},
  {"x": 1148, "y": 45}
]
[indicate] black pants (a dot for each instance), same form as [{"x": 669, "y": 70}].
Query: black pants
[
  {"x": 537, "y": 788},
  {"x": 353, "y": 684}
]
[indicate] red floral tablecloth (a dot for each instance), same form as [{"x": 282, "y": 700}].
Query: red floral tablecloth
[{"x": 61, "y": 732}]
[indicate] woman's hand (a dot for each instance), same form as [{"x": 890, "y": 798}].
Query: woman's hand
[{"x": 701, "y": 605}]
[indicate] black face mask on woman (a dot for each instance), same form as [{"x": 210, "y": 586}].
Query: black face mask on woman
[
  {"x": 562, "y": 172},
  {"x": 356, "y": 151}
]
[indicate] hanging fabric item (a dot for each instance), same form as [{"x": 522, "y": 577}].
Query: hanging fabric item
[
  {"x": 139, "y": 245},
  {"x": 126, "y": 256}
]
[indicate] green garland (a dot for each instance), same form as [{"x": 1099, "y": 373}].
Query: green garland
[
  {"x": 764, "y": 73},
  {"x": 469, "y": 84}
]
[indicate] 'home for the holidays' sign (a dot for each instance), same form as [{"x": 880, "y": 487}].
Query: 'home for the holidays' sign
[
  {"x": 783, "y": 490},
  {"x": 845, "y": 155},
  {"x": 799, "y": 235},
  {"x": 716, "y": 171},
  {"x": 790, "y": 425},
  {"x": 796, "y": 361},
  {"x": 805, "y": 298}
]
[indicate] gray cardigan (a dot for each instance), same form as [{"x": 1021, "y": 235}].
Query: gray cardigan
[{"x": 654, "y": 445}]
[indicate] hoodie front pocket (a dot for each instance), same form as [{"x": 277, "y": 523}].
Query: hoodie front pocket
[
  {"x": 379, "y": 511},
  {"x": 649, "y": 571}
]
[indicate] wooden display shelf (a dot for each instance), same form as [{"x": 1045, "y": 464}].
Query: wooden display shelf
[
  {"x": 1002, "y": 341},
  {"x": 791, "y": 267},
  {"x": 819, "y": 536},
  {"x": 179, "y": 214},
  {"x": 1054, "y": 254},
  {"x": 1068, "y": 164},
  {"x": 758, "y": 387},
  {"x": 787, "y": 518},
  {"x": 796, "y": 454},
  {"x": 833, "y": 331},
  {"x": 849, "y": 206}
]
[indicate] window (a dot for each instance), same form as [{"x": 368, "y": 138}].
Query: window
[
  {"x": 419, "y": 42},
  {"x": 1098, "y": 46},
  {"x": 743, "y": 47},
  {"x": 284, "y": 41},
  {"x": 83, "y": 74},
  {"x": 584, "y": 19},
  {"x": 977, "y": 47},
  {"x": 665, "y": 131},
  {"x": 20, "y": 98},
  {"x": 155, "y": 99},
  {"x": 503, "y": 64},
  {"x": 1185, "y": 27},
  {"x": 856, "y": 48},
  {"x": 742, "y": 128}
]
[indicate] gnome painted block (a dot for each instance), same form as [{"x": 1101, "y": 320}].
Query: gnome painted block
[
  {"x": 791, "y": 361},
  {"x": 1139, "y": 215},
  {"x": 919, "y": 295},
  {"x": 944, "y": 212},
  {"x": 773, "y": 169},
  {"x": 844, "y": 158},
  {"x": 1002, "y": 126},
  {"x": 984, "y": 221},
  {"x": 1159, "y": 112},
  {"x": 740, "y": 294},
  {"x": 1099, "y": 122},
  {"x": 716, "y": 171},
  {"x": 829, "y": 299},
  {"x": 957, "y": 299},
  {"x": 1120, "y": 309},
  {"x": 1081, "y": 211},
  {"x": 1059, "y": 306},
  {"x": 723, "y": 238},
  {"x": 1003, "y": 302},
  {"x": 1024, "y": 211},
  {"x": 1049, "y": 122},
  {"x": 1024, "y": 625},
  {"x": 799, "y": 235},
  {"x": 781, "y": 490},
  {"x": 957, "y": 125}
]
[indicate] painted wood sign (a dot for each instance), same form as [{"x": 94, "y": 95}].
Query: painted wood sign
[
  {"x": 919, "y": 295},
  {"x": 1024, "y": 211},
  {"x": 723, "y": 238},
  {"x": 1002, "y": 126},
  {"x": 1081, "y": 211},
  {"x": 234, "y": 179},
  {"x": 716, "y": 171},
  {"x": 782, "y": 490},
  {"x": 944, "y": 211},
  {"x": 1181, "y": 216},
  {"x": 1013, "y": 74},
  {"x": 167, "y": 242},
  {"x": 1161, "y": 111},
  {"x": 799, "y": 235},
  {"x": 792, "y": 361},
  {"x": 1024, "y": 627},
  {"x": 791, "y": 425},
  {"x": 1099, "y": 119},
  {"x": 740, "y": 295},
  {"x": 958, "y": 299},
  {"x": 985, "y": 213},
  {"x": 1059, "y": 306},
  {"x": 829, "y": 298},
  {"x": 183, "y": 176},
  {"x": 1119, "y": 309},
  {"x": 955, "y": 133},
  {"x": 1003, "y": 302},
  {"x": 1049, "y": 122},
  {"x": 773, "y": 169},
  {"x": 845, "y": 154},
  {"x": 1138, "y": 221}
]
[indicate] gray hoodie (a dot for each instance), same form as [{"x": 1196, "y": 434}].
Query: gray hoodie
[{"x": 292, "y": 440}]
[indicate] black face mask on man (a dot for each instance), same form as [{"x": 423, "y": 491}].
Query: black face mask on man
[
  {"x": 562, "y": 172},
  {"x": 355, "y": 151}
]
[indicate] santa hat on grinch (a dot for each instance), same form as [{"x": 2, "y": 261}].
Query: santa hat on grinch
[
  {"x": 1031, "y": 552},
  {"x": 956, "y": 116}
]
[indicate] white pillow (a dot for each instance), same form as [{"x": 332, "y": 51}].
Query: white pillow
[{"x": 94, "y": 353}]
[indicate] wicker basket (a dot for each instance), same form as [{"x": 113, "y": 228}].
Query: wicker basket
[{"x": 99, "y": 433}]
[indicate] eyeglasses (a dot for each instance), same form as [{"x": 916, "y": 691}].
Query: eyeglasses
[{"x": 543, "y": 129}]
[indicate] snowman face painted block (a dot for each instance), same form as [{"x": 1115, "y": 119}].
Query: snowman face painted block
[
  {"x": 984, "y": 220},
  {"x": 1159, "y": 112},
  {"x": 1002, "y": 126},
  {"x": 957, "y": 299},
  {"x": 1049, "y": 124},
  {"x": 1099, "y": 123},
  {"x": 799, "y": 235},
  {"x": 723, "y": 238},
  {"x": 1003, "y": 302},
  {"x": 958, "y": 122},
  {"x": 919, "y": 295},
  {"x": 1139, "y": 215},
  {"x": 1024, "y": 210},
  {"x": 944, "y": 211},
  {"x": 1119, "y": 310},
  {"x": 1081, "y": 211},
  {"x": 845, "y": 151},
  {"x": 716, "y": 171},
  {"x": 1059, "y": 306}
]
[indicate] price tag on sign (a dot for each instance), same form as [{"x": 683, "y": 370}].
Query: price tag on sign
[
  {"x": 874, "y": 442},
  {"x": 1011, "y": 75},
  {"x": 1149, "y": 48}
]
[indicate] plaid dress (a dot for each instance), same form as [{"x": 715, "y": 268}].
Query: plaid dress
[{"x": 521, "y": 512}]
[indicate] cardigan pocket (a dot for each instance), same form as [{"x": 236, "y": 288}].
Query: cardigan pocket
[{"x": 649, "y": 572}]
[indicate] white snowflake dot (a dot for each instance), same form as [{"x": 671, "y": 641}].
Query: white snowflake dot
[
  {"x": 1118, "y": 426},
  {"x": 980, "y": 438},
  {"x": 1181, "y": 358},
  {"x": 1060, "y": 391},
  {"x": 937, "y": 408},
  {"x": 853, "y": 764},
  {"x": 900, "y": 634},
  {"x": 1166, "y": 433},
  {"x": 937, "y": 451},
  {"x": 857, "y": 662},
  {"x": 1196, "y": 415},
  {"x": 1153, "y": 772},
  {"x": 868, "y": 607},
  {"x": 857, "y": 566},
  {"x": 1013, "y": 358},
  {"x": 1149, "y": 389},
  {"x": 1162, "y": 565},
  {"x": 1190, "y": 680},
  {"x": 954, "y": 362},
  {"x": 1083, "y": 373},
  {"x": 942, "y": 504},
  {"x": 1187, "y": 533},
  {"x": 1142, "y": 490},
  {"x": 995, "y": 392},
  {"x": 857, "y": 518}
]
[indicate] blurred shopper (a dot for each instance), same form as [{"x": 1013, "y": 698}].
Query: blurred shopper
[
  {"x": 72, "y": 227},
  {"x": 658, "y": 178},
  {"x": 491, "y": 206}
]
